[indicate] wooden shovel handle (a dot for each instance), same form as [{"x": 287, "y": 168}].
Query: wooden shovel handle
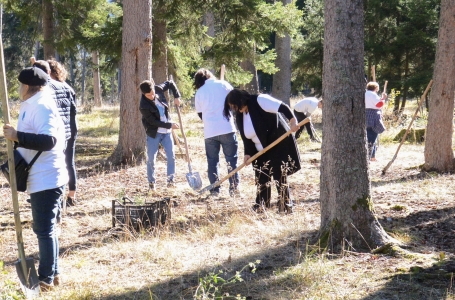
[
  {"x": 252, "y": 158},
  {"x": 223, "y": 68},
  {"x": 11, "y": 163},
  {"x": 385, "y": 86},
  {"x": 409, "y": 127}
]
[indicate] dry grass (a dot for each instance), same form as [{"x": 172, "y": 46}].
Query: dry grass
[{"x": 206, "y": 235}]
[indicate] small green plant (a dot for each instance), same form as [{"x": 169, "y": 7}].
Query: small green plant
[{"x": 211, "y": 285}]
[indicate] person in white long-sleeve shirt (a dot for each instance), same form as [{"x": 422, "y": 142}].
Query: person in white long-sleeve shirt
[
  {"x": 302, "y": 110},
  {"x": 218, "y": 131}
]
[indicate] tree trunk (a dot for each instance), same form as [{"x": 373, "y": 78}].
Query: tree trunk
[
  {"x": 438, "y": 139},
  {"x": 159, "y": 67},
  {"x": 406, "y": 84},
  {"x": 136, "y": 67},
  {"x": 347, "y": 212},
  {"x": 281, "y": 88},
  {"x": 48, "y": 29},
  {"x": 84, "y": 65},
  {"x": 96, "y": 79}
]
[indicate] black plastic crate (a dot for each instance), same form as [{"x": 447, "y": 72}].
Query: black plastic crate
[{"x": 137, "y": 216}]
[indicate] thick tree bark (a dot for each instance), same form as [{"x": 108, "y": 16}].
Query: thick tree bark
[
  {"x": 160, "y": 67},
  {"x": 96, "y": 79},
  {"x": 48, "y": 29},
  {"x": 438, "y": 138},
  {"x": 281, "y": 88},
  {"x": 347, "y": 212},
  {"x": 136, "y": 67}
]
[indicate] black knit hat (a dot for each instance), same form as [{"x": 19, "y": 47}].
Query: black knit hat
[{"x": 33, "y": 76}]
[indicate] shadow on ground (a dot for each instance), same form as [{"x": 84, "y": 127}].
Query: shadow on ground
[{"x": 435, "y": 282}]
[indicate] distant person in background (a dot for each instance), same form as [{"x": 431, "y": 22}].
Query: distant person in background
[
  {"x": 65, "y": 98},
  {"x": 40, "y": 128},
  {"x": 157, "y": 124},
  {"x": 68, "y": 113},
  {"x": 259, "y": 124},
  {"x": 302, "y": 110},
  {"x": 218, "y": 131},
  {"x": 373, "y": 113}
]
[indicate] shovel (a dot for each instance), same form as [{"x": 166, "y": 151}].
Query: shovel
[
  {"x": 214, "y": 185},
  {"x": 193, "y": 178},
  {"x": 25, "y": 267}
]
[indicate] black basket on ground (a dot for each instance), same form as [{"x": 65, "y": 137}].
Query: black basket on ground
[{"x": 140, "y": 216}]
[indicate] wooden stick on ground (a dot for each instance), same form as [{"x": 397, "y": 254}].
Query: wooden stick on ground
[{"x": 409, "y": 127}]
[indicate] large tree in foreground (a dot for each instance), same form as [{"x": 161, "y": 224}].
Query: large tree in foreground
[
  {"x": 136, "y": 67},
  {"x": 346, "y": 206},
  {"x": 438, "y": 138}
]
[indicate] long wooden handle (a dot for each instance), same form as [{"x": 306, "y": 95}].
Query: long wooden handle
[
  {"x": 373, "y": 73},
  {"x": 11, "y": 163},
  {"x": 223, "y": 67},
  {"x": 409, "y": 127},
  {"x": 253, "y": 158},
  {"x": 385, "y": 86}
]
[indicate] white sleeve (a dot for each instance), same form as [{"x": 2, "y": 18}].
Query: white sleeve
[{"x": 268, "y": 103}]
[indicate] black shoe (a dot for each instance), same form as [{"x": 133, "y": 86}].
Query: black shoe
[
  {"x": 152, "y": 186},
  {"x": 70, "y": 202},
  {"x": 29, "y": 201}
]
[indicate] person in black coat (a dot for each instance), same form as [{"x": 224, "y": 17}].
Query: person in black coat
[{"x": 260, "y": 123}]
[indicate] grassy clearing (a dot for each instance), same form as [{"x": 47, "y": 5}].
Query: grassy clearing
[{"x": 209, "y": 240}]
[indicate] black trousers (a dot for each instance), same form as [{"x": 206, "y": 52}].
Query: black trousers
[
  {"x": 265, "y": 177},
  {"x": 300, "y": 117}
]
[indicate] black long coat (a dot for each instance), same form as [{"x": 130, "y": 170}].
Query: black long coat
[{"x": 268, "y": 129}]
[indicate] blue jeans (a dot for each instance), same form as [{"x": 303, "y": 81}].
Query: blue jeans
[
  {"x": 45, "y": 208},
  {"x": 372, "y": 136},
  {"x": 212, "y": 150},
  {"x": 165, "y": 139}
]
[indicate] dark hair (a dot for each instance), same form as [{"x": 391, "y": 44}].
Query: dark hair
[
  {"x": 201, "y": 76},
  {"x": 238, "y": 99},
  {"x": 33, "y": 76},
  {"x": 146, "y": 86},
  {"x": 43, "y": 65},
  {"x": 57, "y": 70}
]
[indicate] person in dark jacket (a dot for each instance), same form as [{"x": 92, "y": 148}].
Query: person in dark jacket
[
  {"x": 260, "y": 124},
  {"x": 162, "y": 88},
  {"x": 65, "y": 98},
  {"x": 158, "y": 126},
  {"x": 68, "y": 113}
]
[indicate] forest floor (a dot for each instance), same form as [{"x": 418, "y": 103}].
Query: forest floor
[{"x": 213, "y": 244}]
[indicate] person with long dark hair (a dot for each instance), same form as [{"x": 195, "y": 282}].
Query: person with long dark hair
[
  {"x": 260, "y": 123},
  {"x": 218, "y": 132}
]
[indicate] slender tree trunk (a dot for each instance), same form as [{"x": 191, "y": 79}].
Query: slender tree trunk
[
  {"x": 136, "y": 67},
  {"x": 96, "y": 79},
  {"x": 48, "y": 29},
  {"x": 36, "y": 51},
  {"x": 84, "y": 64},
  {"x": 71, "y": 71},
  {"x": 346, "y": 205},
  {"x": 438, "y": 138},
  {"x": 160, "y": 67},
  {"x": 253, "y": 86},
  {"x": 405, "y": 85},
  {"x": 281, "y": 88}
]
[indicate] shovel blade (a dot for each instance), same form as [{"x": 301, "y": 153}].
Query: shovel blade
[
  {"x": 194, "y": 180},
  {"x": 29, "y": 281}
]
